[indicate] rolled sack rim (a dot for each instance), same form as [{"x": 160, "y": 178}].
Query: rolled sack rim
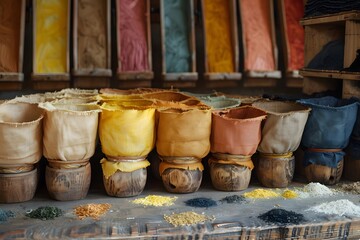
[
  {"x": 328, "y": 159},
  {"x": 109, "y": 168},
  {"x": 16, "y": 124},
  {"x": 182, "y": 111},
  {"x": 54, "y": 107},
  {"x": 276, "y": 155},
  {"x": 120, "y": 106},
  {"x": 126, "y": 158},
  {"x": 348, "y": 103},
  {"x": 218, "y": 113},
  {"x": 244, "y": 163},
  {"x": 305, "y": 109}
]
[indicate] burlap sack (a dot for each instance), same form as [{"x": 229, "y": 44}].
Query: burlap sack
[
  {"x": 183, "y": 132},
  {"x": 69, "y": 131},
  {"x": 20, "y": 134},
  {"x": 127, "y": 128},
  {"x": 236, "y": 131},
  {"x": 283, "y": 126}
]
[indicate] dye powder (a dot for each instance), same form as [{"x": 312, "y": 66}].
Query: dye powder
[
  {"x": 132, "y": 35},
  {"x": 92, "y": 34},
  {"x": 154, "y": 200},
  {"x": 200, "y": 202},
  {"x": 342, "y": 207},
  {"x": 256, "y": 28},
  {"x": 289, "y": 194},
  {"x": 294, "y": 11},
  {"x": 51, "y": 36},
  {"x": 10, "y": 15},
  {"x": 261, "y": 193},
  {"x": 4, "y": 215},
  {"x": 282, "y": 216},
  {"x": 233, "y": 199},
  {"x": 92, "y": 210},
  {"x": 186, "y": 218},
  {"x": 219, "y": 50},
  {"x": 177, "y": 36},
  {"x": 353, "y": 188},
  {"x": 45, "y": 213}
]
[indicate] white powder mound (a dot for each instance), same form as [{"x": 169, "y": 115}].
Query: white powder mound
[
  {"x": 314, "y": 190},
  {"x": 341, "y": 207}
]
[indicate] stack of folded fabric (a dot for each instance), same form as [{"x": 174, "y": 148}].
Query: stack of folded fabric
[{"x": 322, "y": 7}]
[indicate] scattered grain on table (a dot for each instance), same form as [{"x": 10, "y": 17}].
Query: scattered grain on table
[
  {"x": 342, "y": 207},
  {"x": 261, "y": 193},
  {"x": 5, "y": 215},
  {"x": 201, "y": 202},
  {"x": 45, "y": 213},
  {"x": 282, "y": 217},
  {"x": 92, "y": 210},
  {"x": 353, "y": 188},
  {"x": 233, "y": 199},
  {"x": 187, "y": 218},
  {"x": 155, "y": 200}
]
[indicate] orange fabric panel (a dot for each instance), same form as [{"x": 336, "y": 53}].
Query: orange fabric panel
[
  {"x": 255, "y": 17},
  {"x": 294, "y": 11},
  {"x": 219, "y": 50}
]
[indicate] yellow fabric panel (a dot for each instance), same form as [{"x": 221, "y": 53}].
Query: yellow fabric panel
[
  {"x": 109, "y": 167},
  {"x": 126, "y": 132},
  {"x": 51, "y": 36},
  {"x": 249, "y": 164},
  {"x": 192, "y": 166}
]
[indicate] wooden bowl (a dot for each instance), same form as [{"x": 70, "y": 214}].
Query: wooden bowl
[
  {"x": 275, "y": 172},
  {"x": 229, "y": 177},
  {"x": 18, "y": 187},
  {"x": 126, "y": 184},
  {"x": 68, "y": 184},
  {"x": 177, "y": 180},
  {"x": 323, "y": 174}
]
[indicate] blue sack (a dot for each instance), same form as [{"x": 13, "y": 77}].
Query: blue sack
[
  {"x": 353, "y": 149},
  {"x": 329, "y": 126}
]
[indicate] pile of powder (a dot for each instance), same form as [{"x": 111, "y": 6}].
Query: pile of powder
[
  {"x": 45, "y": 213},
  {"x": 233, "y": 199},
  {"x": 200, "y": 202},
  {"x": 314, "y": 190},
  {"x": 350, "y": 187},
  {"x": 154, "y": 200},
  {"x": 341, "y": 207},
  {"x": 92, "y": 210},
  {"x": 261, "y": 193},
  {"x": 289, "y": 194},
  {"x": 4, "y": 215},
  {"x": 186, "y": 218},
  {"x": 282, "y": 216}
]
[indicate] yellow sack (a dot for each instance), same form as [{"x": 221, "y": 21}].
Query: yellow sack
[
  {"x": 183, "y": 132},
  {"x": 127, "y": 129}
]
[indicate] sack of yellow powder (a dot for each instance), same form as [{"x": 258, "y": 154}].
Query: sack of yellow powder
[
  {"x": 183, "y": 132},
  {"x": 127, "y": 128}
]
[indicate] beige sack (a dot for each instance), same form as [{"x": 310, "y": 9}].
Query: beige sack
[
  {"x": 183, "y": 133},
  {"x": 283, "y": 126},
  {"x": 70, "y": 131},
  {"x": 20, "y": 134}
]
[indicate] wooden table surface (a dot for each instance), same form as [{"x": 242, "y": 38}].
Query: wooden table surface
[{"x": 126, "y": 220}]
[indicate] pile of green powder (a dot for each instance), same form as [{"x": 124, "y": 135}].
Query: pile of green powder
[
  {"x": 4, "y": 215},
  {"x": 45, "y": 213},
  {"x": 233, "y": 199}
]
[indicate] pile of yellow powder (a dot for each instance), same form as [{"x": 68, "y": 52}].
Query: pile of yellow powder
[
  {"x": 154, "y": 200},
  {"x": 186, "y": 218},
  {"x": 92, "y": 210},
  {"x": 261, "y": 193},
  {"x": 289, "y": 194}
]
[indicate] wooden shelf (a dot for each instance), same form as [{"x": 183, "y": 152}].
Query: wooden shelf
[
  {"x": 331, "y": 18},
  {"x": 330, "y": 74}
]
